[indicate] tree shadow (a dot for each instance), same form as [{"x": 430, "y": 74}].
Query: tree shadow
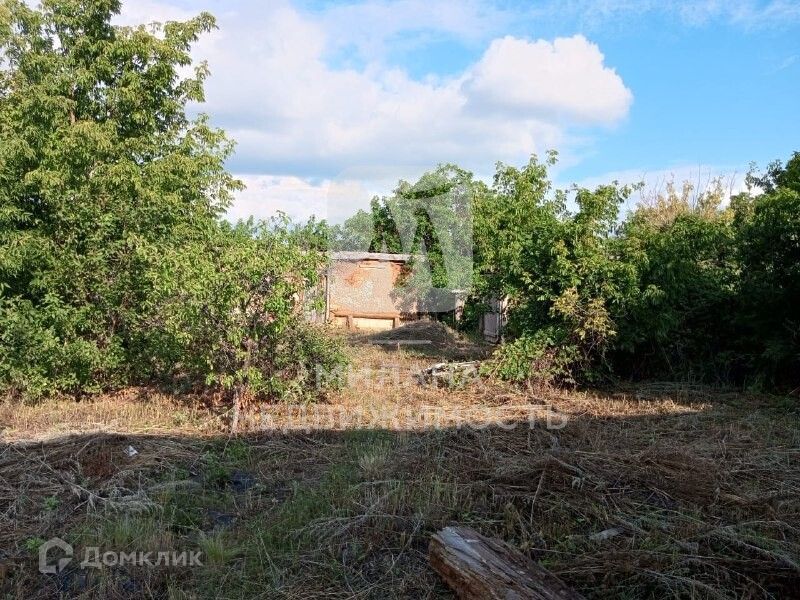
[
  {"x": 638, "y": 505},
  {"x": 427, "y": 338}
]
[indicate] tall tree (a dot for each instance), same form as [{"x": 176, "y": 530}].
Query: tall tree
[
  {"x": 768, "y": 229},
  {"x": 100, "y": 170}
]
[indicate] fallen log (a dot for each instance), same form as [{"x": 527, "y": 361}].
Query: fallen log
[{"x": 480, "y": 568}]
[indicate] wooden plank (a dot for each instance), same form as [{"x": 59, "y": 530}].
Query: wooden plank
[
  {"x": 480, "y": 568},
  {"x": 338, "y": 312}
]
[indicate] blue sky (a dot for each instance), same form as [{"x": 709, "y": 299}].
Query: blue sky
[
  {"x": 715, "y": 94},
  {"x": 331, "y": 102}
]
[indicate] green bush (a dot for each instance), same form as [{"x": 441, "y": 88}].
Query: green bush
[
  {"x": 768, "y": 250},
  {"x": 542, "y": 358},
  {"x": 560, "y": 271},
  {"x": 231, "y": 312},
  {"x": 684, "y": 287},
  {"x": 679, "y": 325},
  {"x": 40, "y": 351},
  {"x": 116, "y": 267},
  {"x": 308, "y": 362}
]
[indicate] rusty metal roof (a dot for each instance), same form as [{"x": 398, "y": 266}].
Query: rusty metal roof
[{"x": 379, "y": 256}]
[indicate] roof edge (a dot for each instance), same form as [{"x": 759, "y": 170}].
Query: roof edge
[{"x": 379, "y": 256}]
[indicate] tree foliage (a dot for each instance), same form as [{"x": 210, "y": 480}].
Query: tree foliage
[
  {"x": 688, "y": 285},
  {"x": 682, "y": 287},
  {"x": 110, "y": 205},
  {"x": 559, "y": 269},
  {"x": 767, "y": 230},
  {"x": 430, "y": 219},
  {"x": 232, "y": 312},
  {"x": 116, "y": 267},
  {"x": 682, "y": 248}
]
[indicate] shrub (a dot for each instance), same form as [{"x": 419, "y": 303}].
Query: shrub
[
  {"x": 116, "y": 267},
  {"x": 101, "y": 174},
  {"x": 560, "y": 271},
  {"x": 541, "y": 358},
  {"x": 768, "y": 250},
  {"x": 684, "y": 287},
  {"x": 232, "y": 312},
  {"x": 40, "y": 352},
  {"x": 683, "y": 250}
]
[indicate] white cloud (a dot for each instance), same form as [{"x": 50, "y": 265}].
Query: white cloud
[
  {"x": 274, "y": 92},
  {"x": 369, "y": 26},
  {"x": 751, "y": 14},
  {"x": 746, "y": 14},
  {"x": 297, "y": 118},
  {"x": 141, "y": 12},
  {"x": 787, "y": 62},
  {"x": 265, "y": 195},
  {"x": 565, "y": 78}
]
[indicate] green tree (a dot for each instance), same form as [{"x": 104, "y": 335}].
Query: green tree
[
  {"x": 100, "y": 169},
  {"x": 430, "y": 219},
  {"x": 768, "y": 247},
  {"x": 682, "y": 245},
  {"x": 356, "y": 234},
  {"x": 559, "y": 269},
  {"x": 232, "y": 312},
  {"x": 116, "y": 266}
]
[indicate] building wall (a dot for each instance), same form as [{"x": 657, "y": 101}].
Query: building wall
[{"x": 361, "y": 293}]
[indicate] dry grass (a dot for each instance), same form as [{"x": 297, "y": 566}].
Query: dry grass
[
  {"x": 653, "y": 492},
  {"x": 133, "y": 411}
]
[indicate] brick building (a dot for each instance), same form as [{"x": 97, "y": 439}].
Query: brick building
[{"x": 361, "y": 291}]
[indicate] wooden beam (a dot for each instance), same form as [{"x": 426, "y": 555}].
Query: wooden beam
[
  {"x": 480, "y": 568},
  {"x": 337, "y": 312}
]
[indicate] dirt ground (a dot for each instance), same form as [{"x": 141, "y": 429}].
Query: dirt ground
[
  {"x": 426, "y": 338},
  {"x": 653, "y": 491}
]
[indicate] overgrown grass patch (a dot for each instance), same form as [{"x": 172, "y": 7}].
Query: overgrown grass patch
[{"x": 683, "y": 495}]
